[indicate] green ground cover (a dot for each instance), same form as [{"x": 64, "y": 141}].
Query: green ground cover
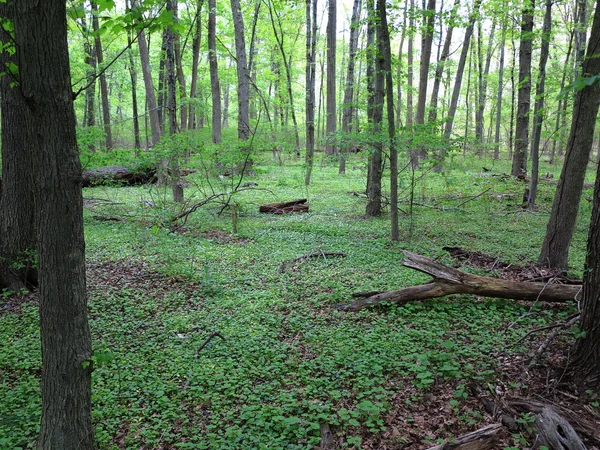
[{"x": 286, "y": 360}]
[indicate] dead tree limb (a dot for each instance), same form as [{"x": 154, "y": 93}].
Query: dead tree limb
[
  {"x": 482, "y": 439},
  {"x": 285, "y": 207},
  {"x": 286, "y": 265},
  {"x": 447, "y": 280}
]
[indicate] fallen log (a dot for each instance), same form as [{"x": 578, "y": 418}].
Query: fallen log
[
  {"x": 482, "y": 439},
  {"x": 118, "y": 175},
  {"x": 285, "y": 207},
  {"x": 448, "y": 280}
]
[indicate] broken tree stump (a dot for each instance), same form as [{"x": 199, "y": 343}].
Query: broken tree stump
[
  {"x": 285, "y": 207},
  {"x": 118, "y": 174},
  {"x": 448, "y": 280}
]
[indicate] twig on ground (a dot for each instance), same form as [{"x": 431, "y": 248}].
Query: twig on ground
[
  {"x": 312, "y": 254},
  {"x": 474, "y": 197},
  {"x": 538, "y": 354},
  {"x": 208, "y": 339}
]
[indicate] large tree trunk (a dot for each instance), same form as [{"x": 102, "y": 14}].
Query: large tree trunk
[
  {"x": 311, "y": 51},
  {"x": 89, "y": 119},
  {"x": 243, "y": 76},
  {"x": 215, "y": 86},
  {"x": 447, "y": 281},
  {"x": 409, "y": 63},
  {"x": 195, "y": 62},
  {"x": 519, "y": 163},
  {"x": 347, "y": 107},
  {"x": 103, "y": 85},
  {"x": 41, "y": 40},
  {"x": 331, "y": 87},
  {"x": 587, "y": 352},
  {"x": 561, "y": 225},
  {"x": 499, "y": 95},
  {"x": 538, "y": 111},
  {"x": 17, "y": 202}
]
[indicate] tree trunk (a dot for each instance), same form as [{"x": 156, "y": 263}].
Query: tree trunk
[
  {"x": 331, "y": 114},
  {"x": 373, "y": 207},
  {"x": 17, "y": 202},
  {"x": 243, "y": 75},
  {"x": 103, "y": 86},
  {"x": 161, "y": 101},
  {"x": 149, "y": 87},
  {"x": 482, "y": 84},
  {"x": 561, "y": 225},
  {"x": 448, "y": 280},
  {"x": 133, "y": 78},
  {"x": 426, "y": 43},
  {"x": 348, "y": 107},
  {"x": 90, "y": 93},
  {"x": 409, "y": 65},
  {"x": 499, "y": 96},
  {"x": 311, "y": 50},
  {"x": 399, "y": 74},
  {"x": 195, "y": 62},
  {"x": 519, "y": 163},
  {"x": 180, "y": 76},
  {"x": 41, "y": 40},
  {"x": 539, "y": 106},
  {"x": 460, "y": 70},
  {"x": 215, "y": 86},
  {"x": 439, "y": 70}
]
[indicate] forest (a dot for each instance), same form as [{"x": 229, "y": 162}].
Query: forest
[{"x": 267, "y": 224}]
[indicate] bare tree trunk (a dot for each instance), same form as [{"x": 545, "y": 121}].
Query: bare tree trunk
[
  {"x": 482, "y": 84},
  {"x": 90, "y": 93},
  {"x": 195, "y": 62},
  {"x": 348, "y": 108},
  {"x": 519, "y": 163},
  {"x": 149, "y": 87},
  {"x": 161, "y": 102},
  {"x": 134, "y": 101},
  {"x": 499, "y": 96},
  {"x": 562, "y": 103},
  {"x": 330, "y": 147},
  {"x": 243, "y": 75},
  {"x": 311, "y": 52},
  {"x": 399, "y": 74},
  {"x": 426, "y": 43},
  {"x": 439, "y": 70},
  {"x": 587, "y": 349},
  {"x": 373, "y": 207},
  {"x": 460, "y": 69},
  {"x": 539, "y": 106},
  {"x": 41, "y": 40},
  {"x": 180, "y": 77},
  {"x": 214, "y": 72},
  {"x": 561, "y": 225},
  {"x": 103, "y": 86},
  {"x": 409, "y": 65}
]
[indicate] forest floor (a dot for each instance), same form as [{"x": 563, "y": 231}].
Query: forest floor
[{"x": 232, "y": 340}]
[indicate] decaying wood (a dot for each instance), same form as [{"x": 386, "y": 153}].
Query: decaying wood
[
  {"x": 316, "y": 253},
  {"x": 118, "y": 174},
  {"x": 447, "y": 281},
  {"x": 482, "y": 439},
  {"x": 555, "y": 432},
  {"x": 285, "y": 207},
  {"x": 493, "y": 407},
  {"x": 327, "y": 439}
]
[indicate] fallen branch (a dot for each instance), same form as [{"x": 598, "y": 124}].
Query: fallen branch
[
  {"x": 285, "y": 207},
  {"x": 482, "y": 439},
  {"x": 286, "y": 265},
  {"x": 208, "y": 339},
  {"x": 118, "y": 174},
  {"x": 447, "y": 280}
]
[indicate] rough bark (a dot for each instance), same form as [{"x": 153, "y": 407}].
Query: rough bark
[
  {"x": 102, "y": 78},
  {"x": 311, "y": 50},
  {"x": 195, "y": 62},
  {"x": 561, "y": 225},
  {"x": 539, "y": 106},
  {"x": 90, "y": 93},
  {"x": 215, "y": 86},
  {"x": 111, "y": 175},
  {"x": 373, "y": 207},
  {"x": 447, "y": 280},
  {"x": 521, "y": 144},
  {"x": 17, "y": 202},
  {"x": 44, "y": 81},
  {"x": 331, "y": 114},
  {"x": 243, "y": 76},
  {"x": 484, "y": 438}
]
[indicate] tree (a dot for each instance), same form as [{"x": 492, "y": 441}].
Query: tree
[
  {"x": 499, "y": 95},
  {"x": 331, "y": 87},
  {"x": 426, "y": 43},
  {"x": 40, "y": 37},
  {"x": 195, "y": 62},
  {"x": 18, "y": 229},
  {"x": 102, "y": 77},
  {"x": 539, "y": 106},
  {"x": 311, "y": 51},
  {"x": 347, "y": 107},
  {"x": 519, "y": 163},
  {"x": 214, "y": 71},
  {"x": 561, "y": 225},
  {"x": 243, "y": 75}
]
